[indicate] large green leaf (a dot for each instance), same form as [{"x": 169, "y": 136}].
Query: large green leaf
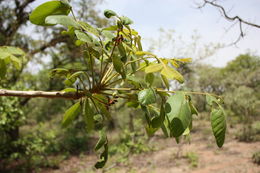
[
  {"x": 218, "y": 124},
  {"x": 178, "y": 112},
  {"x": 171, "y": 73},
  {"x": 71, "y": 114},
  {"x": 46, "y": 9},
  {"x": 88, "y": 116},
  {"x": 62, "y": 20},
  {"x": 147, "y": 96}
]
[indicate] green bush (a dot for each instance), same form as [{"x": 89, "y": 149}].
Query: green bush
[{"x": 256, "y": 157}]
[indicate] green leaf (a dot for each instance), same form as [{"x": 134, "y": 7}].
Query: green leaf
[
  {"x": 11, "y": 50},
  {"x": 67, "y": 90},
  {"x": 122, "y": 52},
  {"x": 211, "y": 99},
  {"x": 88, "y": 116},
  {"x": 153, "y": 68},
  {"x": 142, "y": 53},
  {"x": 71, "y": 114},
  {"x": 218, "y": 124},
  {"x": 126, "y": 20},
  {"x": 62, "y": 20},
  {"x": 102, "y": 140},
  {"x": 193, "y": 109},
  {"x": 147, "y": 96},
  {"x": 59, "y": 72},
  {"x": 149, "y": 78},
  {"x": 178, "y": 112},
  {"x": 72, "y": 78},
  {"x": 3, "y": 68},
  {"x": 119, "y": 66},
  {"x": 46, "y": 9},
  {"x": 101, "y": 102},
  {"x": 87, "y": 27},
  {"x": 103, "y": 158},
  {"x": 165, "y": 81},
  {"x": 16, "y": 62},
  {"x": 156, "y": 122},
  {"x": 82, "y": 36},
  {"x": 171, "y": 73},
  {"x": 150, "y": 130},
  {"x": 109, "y": 13}
]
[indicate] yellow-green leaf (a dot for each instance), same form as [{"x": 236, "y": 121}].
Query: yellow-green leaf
[
  {"x": 171, "y": 73},
  {"x": 153, "y": 68}
]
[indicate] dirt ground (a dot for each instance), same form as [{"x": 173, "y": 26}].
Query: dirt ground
[{"x": 169, "y": 157}]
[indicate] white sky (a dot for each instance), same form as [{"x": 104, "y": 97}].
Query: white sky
[{"x": 184, "y": 18}]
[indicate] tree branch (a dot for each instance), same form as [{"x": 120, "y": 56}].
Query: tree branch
[
  {"x": 229, "y": 18},
  {"x": 44, "y": 94}
]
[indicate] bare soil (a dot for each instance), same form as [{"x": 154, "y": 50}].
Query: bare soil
[{"x": 169, "y": 157}]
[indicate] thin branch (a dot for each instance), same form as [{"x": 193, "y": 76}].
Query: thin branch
[
  {"x": 44, "y": 94},
  {"x": 230, "y": 18}
]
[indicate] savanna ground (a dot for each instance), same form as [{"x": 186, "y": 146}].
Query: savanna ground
[{"x": 200, "y": 155}]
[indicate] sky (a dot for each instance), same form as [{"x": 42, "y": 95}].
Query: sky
[{"x": 183, "y": 17}]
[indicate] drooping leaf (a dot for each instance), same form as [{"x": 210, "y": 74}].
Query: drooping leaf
[
  {"x": 149, "y": 78},
  {"x": 178, "y": 112},
  {"x": 165, "y": 81},
  {"x": 119, "y": 66},
  {"x": 218, "y": 124},
  {"x": 122, "y": 52},
  {"x": 46, "y": 9},
  {"x": 193, "y": 109},
  {"x": 71, "y": 114},
  {"x": 153, "y": 68},
  {"x": 62, "y": 20},
  {"x": 103, "y": 158},
  {"x": 102, "y": 140},
  {"x": 88, "y": 116},
  {"x": 109, "y": 13},
  {"x": 147, "y": 96},
  {"x": 171, "y": 73}
]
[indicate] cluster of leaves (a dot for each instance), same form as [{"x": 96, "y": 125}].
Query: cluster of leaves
[
  {"x": 10, "y": 55},
  {"x": 114, "y": 61}
]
